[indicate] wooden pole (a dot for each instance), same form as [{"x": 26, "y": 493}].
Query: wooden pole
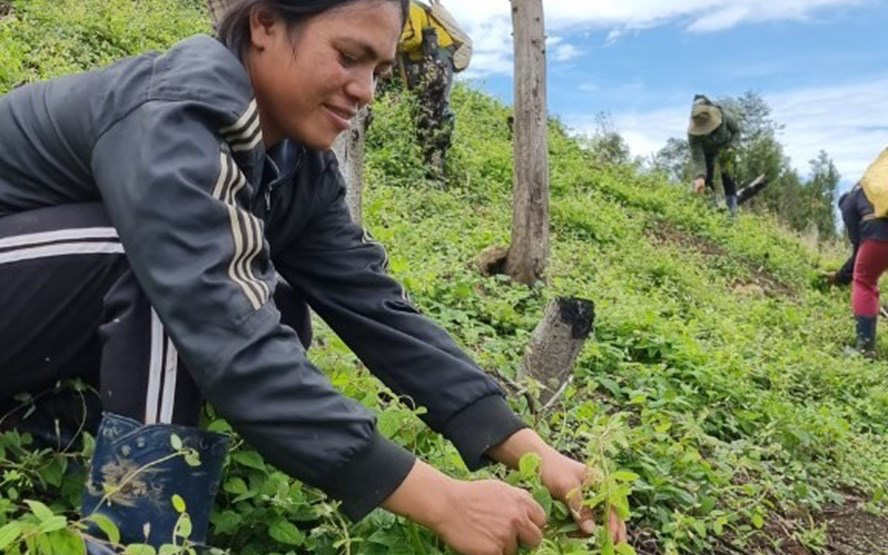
[{"x": 529, "y": 250}]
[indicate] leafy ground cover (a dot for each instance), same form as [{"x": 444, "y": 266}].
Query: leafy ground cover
[{"x": 716, "y": 387}]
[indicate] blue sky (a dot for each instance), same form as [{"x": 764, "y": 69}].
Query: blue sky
[{"x": 822, "y": 65}]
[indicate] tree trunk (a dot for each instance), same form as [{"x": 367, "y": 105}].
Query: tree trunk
[
  {"x": 556, "y": 342},
  {"x": 529, "y": 250},
  {"x": 349, "y": 149}
]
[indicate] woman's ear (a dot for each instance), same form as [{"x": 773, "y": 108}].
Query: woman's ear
[{"x": 263, "y": 27}]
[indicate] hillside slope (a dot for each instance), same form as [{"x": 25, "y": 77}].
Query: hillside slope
[
  {"x": 711, "y": 334},
  {"x": 716, "y": 375}
]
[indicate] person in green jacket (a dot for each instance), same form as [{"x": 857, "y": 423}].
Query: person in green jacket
[{"x": 712, "y": 135}]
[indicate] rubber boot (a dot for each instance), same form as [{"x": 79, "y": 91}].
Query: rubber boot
[
  {"x": 866, "y": 335},
  {"x": 731, "y": 201},
  {"x": 137, "y": 470}
]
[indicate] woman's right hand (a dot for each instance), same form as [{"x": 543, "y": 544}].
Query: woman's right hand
[
  {"x": 486, "y": 517},
  {"x": 490, "y": 517}
]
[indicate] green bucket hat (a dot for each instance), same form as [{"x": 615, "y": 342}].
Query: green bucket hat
[{"x": 705, "y": 117}]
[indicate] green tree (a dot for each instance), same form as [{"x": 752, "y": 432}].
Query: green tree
[
  {"x": 606, "y": 144},
  {"x": 674, "y": 160},
  {"x": 821, "y": 191}
]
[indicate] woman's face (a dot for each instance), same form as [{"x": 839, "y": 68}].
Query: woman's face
[{"x": 310, "y": 81}]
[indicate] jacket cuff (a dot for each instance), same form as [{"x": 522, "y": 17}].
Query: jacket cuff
[
  {"x": 484, "y": 424},
  {"x": 370, "y": 477}
]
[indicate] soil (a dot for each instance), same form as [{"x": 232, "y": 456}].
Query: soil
[
  {"x": 850, "y": 530},
  {"x": 854, "y": 531},
  {"x": 759, "y": 282}
]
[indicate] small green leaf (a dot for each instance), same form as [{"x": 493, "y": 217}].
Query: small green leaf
[
  {"x": 192, "y": 458},
  {"x": 53, "y": 523},
  {"x": 176, "y": 442},
  {"x": 625, "y": 549},
  {"x": 529, "y": 466},
  {"x": 178, "y": 503},
  {"x": 9, "y": 534},
  {"x": 183, "y": 526},
  {"x": 42, "y": 512},
  {"x": 621, "y": 505},
  {"x": 107, "y": 526},
  {"x": 625, "y": 476},
  {"x": 251, "y": 459},
  {"x": 54, "y": 471},
  {"x": 236, "y": 485},
  {"x": 139, "y": 549},
  {"x": 219, "y": 426},
  {"x": 66, "y": 542},
  {"x": 226, "y": 522},
  {"x": 542, "y": 496},
  {"x": 285, "y": 532},
  {"x": 612, "y": 386},
  {"x": 758, "y": 520}
]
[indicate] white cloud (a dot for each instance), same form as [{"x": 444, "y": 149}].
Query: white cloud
[
  {"x": 845, "y": 120},
  {"x": 722, "y": 18},
  {"x": 559, "y": 50},
  {"x": 489, "y": 23}
]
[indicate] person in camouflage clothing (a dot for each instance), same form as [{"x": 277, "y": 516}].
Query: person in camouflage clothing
[
  {"x": 431, "y": 50},
  {"x": 432, "y": 77},
  {"x": 712, "y": 135}
]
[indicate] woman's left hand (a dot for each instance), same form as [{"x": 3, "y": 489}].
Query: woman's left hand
[
  {"x": 564, "y": 478},
  {"x": 561, "y": 475}
]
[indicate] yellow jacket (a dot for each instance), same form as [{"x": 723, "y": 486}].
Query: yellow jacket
[
  {"x": 423, "y": 16},
  {"x": 420, "y": 18}
]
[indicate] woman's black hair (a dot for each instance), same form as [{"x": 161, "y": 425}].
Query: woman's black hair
[{"x": 234, "y": 28}]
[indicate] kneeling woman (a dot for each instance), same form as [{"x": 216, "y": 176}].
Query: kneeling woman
[{"x": 148, "y": 213}]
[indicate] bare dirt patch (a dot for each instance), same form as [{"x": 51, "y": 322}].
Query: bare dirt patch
[
  {"x": 855, "y": 531},
  {"x": 759, "y": 281},
  {"x": 849, "y": 530}
]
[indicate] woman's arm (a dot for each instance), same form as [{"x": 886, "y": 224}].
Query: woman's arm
[{"x": 341, "y": 272}]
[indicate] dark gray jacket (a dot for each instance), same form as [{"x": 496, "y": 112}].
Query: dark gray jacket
[
  {"x": 172, "y": 147},
  {"x": 857, "y": 213}
]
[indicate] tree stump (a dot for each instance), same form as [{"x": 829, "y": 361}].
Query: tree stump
[
  {"x": 556, "y": 342},
  {"x": 349, "y": 150}
]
